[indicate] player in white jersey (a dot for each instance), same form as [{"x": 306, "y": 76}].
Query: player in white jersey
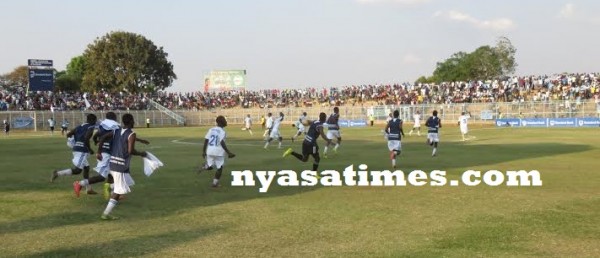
[
  {"x": 248, "y": 124},
  {"x": 214, "y": 149},
  {"x": 275, "y": 131},
  {"x": 269, "y": 124},
  {"x": 300, "y": 125},
  {"x": 333, "y": 131},
  {"x": 417, "y": 124},
  {"x": 462, "y": 122}
]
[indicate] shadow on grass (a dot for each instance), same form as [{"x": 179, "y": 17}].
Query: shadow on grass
[
  {"x": 130, "y": 247},
  {"x": 45, "y": 221}
]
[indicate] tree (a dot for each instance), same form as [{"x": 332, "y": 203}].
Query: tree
[
  {"x": 19, "y": 76},
  {"x": 506, "y": 55},
  {"x": 76, "y": 67},
  {"x": 67, "y": 82},
  {"x": 124, "y": 60},
  {"x": 482, "y": 64}
]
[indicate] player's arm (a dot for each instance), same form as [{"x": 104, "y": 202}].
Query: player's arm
[
  {"x": 142, "y": 140},
  {"x": 401, "y": 130},
  {"x": 440, "y": 123},
  {"x": 229, "y": 153},
  {"x": 204, "y": 148},
  {"x": 96, "y": 137},
  {"x": 86, "y": 141},
  {"x": 322, "y": 133},
  {"x": 106, "y": 137},
  {"x": 131, "y": 146},
  {"x": 71, "y": 133},
  {"x": 387, "y": 128}
]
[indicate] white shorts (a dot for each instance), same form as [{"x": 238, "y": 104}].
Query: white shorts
[
  {"x": 80, "y": 159},
  {"x": 122, "y": 182},
  {"x": 301, "y": 128},
  {"x": 274, "y": 134},
  {"x": 464, "y": 129},
  {"x": 215, "y": 161},
  {"x": 417, "y": 126},
  {"x": 394, "y": 145},
  {"x": 331, "y": 134},
  {"x": 433, "y": 137},
  {"x": 247, "y": 127},
  {"x": 103, "y": 165}
]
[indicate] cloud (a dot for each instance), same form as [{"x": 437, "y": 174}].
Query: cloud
[
  {"x": 407, "y": 2},
  {"x": 411, "y": 58},
  {"x": 494, "y": 24},
  {"x": 567, "y": 11}
]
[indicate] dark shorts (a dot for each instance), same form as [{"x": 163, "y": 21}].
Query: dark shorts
[
  {"x": 52, "y": 128},
  {"x": 310, "y": 149}
]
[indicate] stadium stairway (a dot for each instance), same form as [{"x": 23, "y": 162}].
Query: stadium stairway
[{"x": 180, "y": 119}]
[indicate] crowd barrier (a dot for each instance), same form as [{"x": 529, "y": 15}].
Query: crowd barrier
[{"x": 549, "y": 122}]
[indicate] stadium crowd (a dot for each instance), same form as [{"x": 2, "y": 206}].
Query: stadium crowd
[{"x": 572, "y": 87}]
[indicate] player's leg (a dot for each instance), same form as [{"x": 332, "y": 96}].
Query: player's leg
[
  {"x": 280, "y": 140},
  {"x": 219, "y": 161},
  {"x": 435, "y": 142},
  {"x": 250, "y": 130},
  {"x": 418, "y": 130},
  {"x": 316, "y": 158},
  {"x": 122, "y": 183},
  {"x": 77, "y": 168},
  {"x": 339, "y": 141},
  {"x": 330, "y": 137}
]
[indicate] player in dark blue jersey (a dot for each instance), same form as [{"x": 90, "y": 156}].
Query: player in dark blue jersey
[
  {"x": 81, "y": 150},
  {"x": 309, "y": 145},
  {"x": 108, "y": 125},
  {"x": 333, "y": 131},
  {"x": 122, "y": 148},
  {"x": 433, "y": 126},
  {"x": 394, "y": 136},
  {"x": 6, "y": 128}
]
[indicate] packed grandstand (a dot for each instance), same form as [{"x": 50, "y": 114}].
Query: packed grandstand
[{"x": 575, "y": 87}]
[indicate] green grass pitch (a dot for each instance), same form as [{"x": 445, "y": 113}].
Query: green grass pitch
[{"x": 175, "y": 212}]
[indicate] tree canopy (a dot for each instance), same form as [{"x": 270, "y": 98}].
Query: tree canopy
[
  {"x": 19, "y": 76},
  {"x": 124, "y": 61},
  {"x": 485, "y": 62}
]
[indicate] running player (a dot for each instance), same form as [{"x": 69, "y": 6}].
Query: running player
[
  {"x": 462, "y": 122},
  {"x": 434, "y": 124},
  {"x": 275, "y": 131},
  {"x": 64, "y": 126},
  {"x": 6, "y": 128},
  {"x": 248, "y": 124},
  {"x": 334, "y": 131},
  {"x": 300, "y": 125},
  {"x": 215, "y": 148},
  {"x": 269, "y": 124},
  {"x": 309, "y": 145},
  {"x": 102, "y": 167},
  {"x": 122, "y": 148},
  {"x": 81, "y": 150},
  {"x": 51, "y": 122},
  {"x": 417, "y": 124},
  {"x": 395, "y": 134}
]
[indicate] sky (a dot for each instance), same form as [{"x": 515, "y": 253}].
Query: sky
[{"x": 308, "y": 43}]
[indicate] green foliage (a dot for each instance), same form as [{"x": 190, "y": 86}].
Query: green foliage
[
  {"x": 76, "y": 67},
  {"x": 19, "y": 76},
  {"x": 126, "y": 61},
  {"x": 486, "y": 62}
]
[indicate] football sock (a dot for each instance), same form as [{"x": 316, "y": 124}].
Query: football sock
[
  {"x": 109, "y": 207},
  {"x": 66, "y": 172},
  {"x": 84, "y": 182}
]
